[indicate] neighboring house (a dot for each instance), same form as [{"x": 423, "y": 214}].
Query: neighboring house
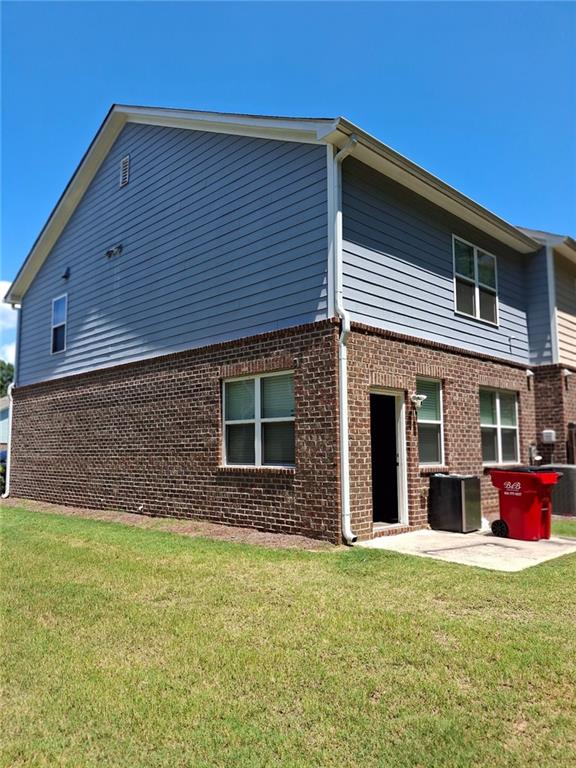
[
  {"x": 4, "y": 414},
  {"x": 234, "y": 318}
]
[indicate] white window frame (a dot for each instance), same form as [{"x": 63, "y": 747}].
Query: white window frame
[
  {"x": 257, "y": 420},
  {"x": 476, "y": 282},
  {"x": 430, "y": 421},
  {"x": 53, "y": 326},
  {"x": 499, "y": 427}
]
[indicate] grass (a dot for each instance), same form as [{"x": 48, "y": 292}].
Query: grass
[
  {"x": 128, "y": 647},
  {"x": 564, "y": 528}
]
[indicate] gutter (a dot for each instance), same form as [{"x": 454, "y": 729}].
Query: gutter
[
  {"x": 336, "y": 173},
  {"x": 9, "y": 450},
  {"x": 419, "y": 180}
]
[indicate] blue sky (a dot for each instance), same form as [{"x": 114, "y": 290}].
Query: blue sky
[{"x": 481, "y": 94}]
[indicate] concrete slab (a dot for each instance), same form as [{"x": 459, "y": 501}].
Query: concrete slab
[{"x": 478, "y": 549}]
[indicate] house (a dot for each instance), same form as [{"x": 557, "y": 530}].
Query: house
[{"x": 280, "y": 323}]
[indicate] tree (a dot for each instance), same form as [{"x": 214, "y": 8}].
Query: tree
[{"x": 6, "y": 376}]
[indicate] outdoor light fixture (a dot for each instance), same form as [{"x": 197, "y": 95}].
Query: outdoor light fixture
[
  {"x": 116, "y": 251},
  {"x": 66, "y": 275},
  {"x": 529, "y": 374},
  {"x": 418, "y": 400},
  {"x": 566, "y": 372}
]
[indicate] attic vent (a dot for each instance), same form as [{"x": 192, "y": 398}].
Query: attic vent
[{"x": 124, "y": 170}]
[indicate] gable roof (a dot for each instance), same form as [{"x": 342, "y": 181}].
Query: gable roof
[{"x": 335, "y": 131}]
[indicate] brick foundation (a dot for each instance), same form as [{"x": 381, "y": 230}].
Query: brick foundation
[
  {"x": 379, "y": 360},
  {"x": 555, "y": 409},
  {"x": 146, "y": 437}
]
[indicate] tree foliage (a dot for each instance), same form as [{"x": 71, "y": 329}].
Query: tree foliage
[{"x": 6, "y": 376}]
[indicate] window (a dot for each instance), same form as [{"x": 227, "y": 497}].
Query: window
[
  {"x": 259, "y": 421},
  {"x": 475, "y": 282},
  {"x": 59, "y": 313},
  {"x": 499, "y": 426},
  {"x": 430, "y": 437}
]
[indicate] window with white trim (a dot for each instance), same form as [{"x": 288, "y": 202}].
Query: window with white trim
[
  {"x": 430, "y": 427},
  {"x": 499, "y": 426},
  {"x": 475, "y": 282},
  {"x": 259, "y": 420},
  {"x": 59, "y": 320}
]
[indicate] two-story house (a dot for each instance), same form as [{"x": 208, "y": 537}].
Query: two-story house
[{"x": 280, "y": 323}]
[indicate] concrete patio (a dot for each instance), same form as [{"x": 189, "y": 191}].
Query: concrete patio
[{"x": 482, "y": 550}]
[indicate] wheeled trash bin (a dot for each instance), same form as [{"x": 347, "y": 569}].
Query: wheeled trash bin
[{"x": 525, "y": 502}]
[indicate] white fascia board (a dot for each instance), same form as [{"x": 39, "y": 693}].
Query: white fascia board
[
  {"x": 395, "y": 166},
  {"x": 66, "y": 205},
  {"x": 286, "y": 129},
  {"x": 562, "y": 244}
]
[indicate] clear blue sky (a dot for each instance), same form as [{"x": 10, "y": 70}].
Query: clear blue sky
[{"x": 481, "y": 94}]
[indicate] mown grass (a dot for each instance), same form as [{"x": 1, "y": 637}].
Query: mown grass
[
  {"x": 564, "y": 528},
  {"x": 127, "y": 647}
]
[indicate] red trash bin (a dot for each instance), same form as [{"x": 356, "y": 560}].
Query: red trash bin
[{"x": 525, "y": 503}]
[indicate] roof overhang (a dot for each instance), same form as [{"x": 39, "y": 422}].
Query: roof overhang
[
  {"x": 410, "y": 175},
  {"x": 562, "y": 244},
  {"x": 309, "y": 130}
]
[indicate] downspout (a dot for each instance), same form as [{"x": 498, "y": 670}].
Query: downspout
[
  {"x": 347, "y": 533},
  {"x": 9, "y": 451}
]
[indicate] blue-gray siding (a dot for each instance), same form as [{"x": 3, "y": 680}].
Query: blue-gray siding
[
  {"x": 4, "y": 419},
  {"x": 223, "y": 237},
  {"x": 398, "y": 269},
  {"x": 539, "y": 324}
]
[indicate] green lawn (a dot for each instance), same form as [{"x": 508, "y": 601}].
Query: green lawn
[
  {"x": 129, "y": 647},
  {"x": 564, "y": 528}
]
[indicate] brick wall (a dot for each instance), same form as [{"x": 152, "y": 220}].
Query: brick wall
[
  {"x": 381, "y": 360},
  {"x": 555, "y": 408},
  {"x": 146, "y": 437}
]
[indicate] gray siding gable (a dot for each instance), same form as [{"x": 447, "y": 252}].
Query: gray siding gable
[
  {"x": 398, "y": 269},
  {"x": 539, "y": 322},
  {"x": 223, "y": 237}
]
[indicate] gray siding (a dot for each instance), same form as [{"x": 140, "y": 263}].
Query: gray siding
[
  {"x": 539, "y": 325},
  {"x": 223, "y": 237},
  {"x": 4, "y": 419},
  {"x": 398, "y": 269}
]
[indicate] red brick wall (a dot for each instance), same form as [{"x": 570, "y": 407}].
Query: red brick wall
[
  {"x": 379, "y": 360},
  {"x": 555, "y": 408},
  {"x": 146, "y": 437}
]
